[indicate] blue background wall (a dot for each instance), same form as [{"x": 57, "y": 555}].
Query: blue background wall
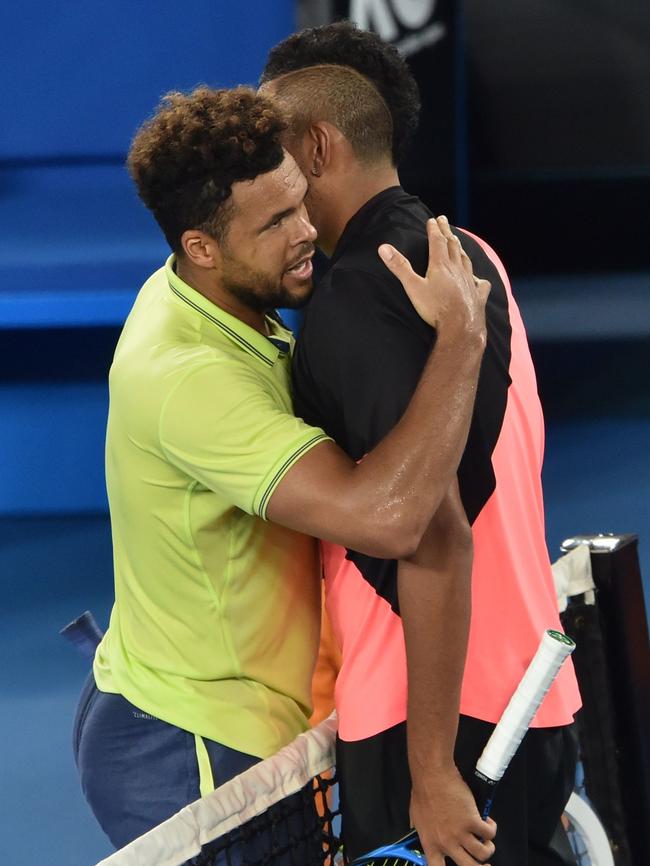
[
  {"x": 76, "y": 244},
  {"x": 86, "y": 74}
]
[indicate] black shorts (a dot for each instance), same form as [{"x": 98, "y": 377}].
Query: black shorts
[{"x": 375, "y": 789}]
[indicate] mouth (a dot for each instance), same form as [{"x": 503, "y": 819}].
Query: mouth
[{"x": 303, "y": 268}]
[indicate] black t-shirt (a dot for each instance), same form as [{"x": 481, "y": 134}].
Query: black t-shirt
[{"x": 363, "y": 348}]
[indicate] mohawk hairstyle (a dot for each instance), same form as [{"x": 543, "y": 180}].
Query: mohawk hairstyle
[
  {"x": 344, "y": 44},
  {"x": 185, "y": 159},
  {"x": 342, "y": 96}
]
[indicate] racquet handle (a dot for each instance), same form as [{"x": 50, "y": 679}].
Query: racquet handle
[{"x": 553, "y": 650}]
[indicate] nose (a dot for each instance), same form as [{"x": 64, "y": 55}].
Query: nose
[{"x": 306, "y": 231}]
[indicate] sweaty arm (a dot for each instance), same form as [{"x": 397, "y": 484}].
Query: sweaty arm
[
  {"x": 383, "y": 505},
  {"x": 434, "y": 587}
]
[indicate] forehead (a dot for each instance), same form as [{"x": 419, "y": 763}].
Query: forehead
[{"x": 281, "y": 188}]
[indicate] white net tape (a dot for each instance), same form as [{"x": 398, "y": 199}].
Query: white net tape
[{"x": 572, "y": 576}]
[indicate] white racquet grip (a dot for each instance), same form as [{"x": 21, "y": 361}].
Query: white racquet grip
[{"x": 553, "y": 649}]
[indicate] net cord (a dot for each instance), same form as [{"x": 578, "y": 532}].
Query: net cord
[{"x": 246, "y": 796}]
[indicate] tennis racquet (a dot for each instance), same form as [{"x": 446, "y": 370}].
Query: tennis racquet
[{"x": 553, "y": 650}]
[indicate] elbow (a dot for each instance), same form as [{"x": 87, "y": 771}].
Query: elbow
[
  {"x": 397, "y": 549},
  {"x": 395, "y": 530},
  {"x": 447, "y": 534},
  {"x": 407, "y": 541},
  {"x": 405, "y": 531},
  {"x": 396, "y": 538}
]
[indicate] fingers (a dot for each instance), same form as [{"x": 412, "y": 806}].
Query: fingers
[
  {"x": 489, "y": 824},
  {"x": 460, "y": 857},
  {"x": 458, "y": 255},
  {"x": 454, "y": 248},
  {"x": 473, "y": 847},
  {"x": 437, "y": 229},
  {"x": 483, "y": 287},
  {"x": 484, "y": 829},
  {"x": 468, "y": 849},
  {"x": 478, "y": 846},
  {"x": 449, "y": 289},
  {"x": 467, "y": 264},
  {"x": 395, "y": 262},
  {"x": 479, "y": 849},
  {"x": 438, "y": 246}
]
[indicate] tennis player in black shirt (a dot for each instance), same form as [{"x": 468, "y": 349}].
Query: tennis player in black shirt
[{"x": 404, "y": 628}]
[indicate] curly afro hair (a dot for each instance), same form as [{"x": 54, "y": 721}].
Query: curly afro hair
[
  {"x": 185, "y": 159},
  {"x": 344, "y": 44}
]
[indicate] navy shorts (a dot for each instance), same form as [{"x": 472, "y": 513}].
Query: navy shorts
[{"x": 136, "y": 770}]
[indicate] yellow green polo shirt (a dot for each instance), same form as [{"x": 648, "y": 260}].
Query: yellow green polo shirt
[{"x": 216, "y": 618}]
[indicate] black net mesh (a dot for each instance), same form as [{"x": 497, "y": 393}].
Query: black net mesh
[{"x": 300, "y": 830}]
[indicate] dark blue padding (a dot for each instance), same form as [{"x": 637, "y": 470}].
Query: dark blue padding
[
  {"x": 77, "y": 244},
  {"x": 85, "y": 75}
]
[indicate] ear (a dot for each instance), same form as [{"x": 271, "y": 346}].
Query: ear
[
  {"x": 201, "y": 249},
  {"x": 321, "y": 138}
]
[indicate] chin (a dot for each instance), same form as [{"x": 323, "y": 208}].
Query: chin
[{"x": 294, "y": 300}]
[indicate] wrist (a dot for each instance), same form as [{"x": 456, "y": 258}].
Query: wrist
[
  {"x": 431, "y": 766},
  {"x": 465, "y": 337},
  {"x": 430, "y": 782}
]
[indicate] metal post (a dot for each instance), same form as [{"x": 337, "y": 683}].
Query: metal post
[{"x": 618, "y": 633}]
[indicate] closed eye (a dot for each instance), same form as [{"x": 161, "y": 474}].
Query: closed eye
[{"x": 277, "y": 218}]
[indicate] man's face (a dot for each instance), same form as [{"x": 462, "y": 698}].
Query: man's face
[{"x": 267, "y": 250}]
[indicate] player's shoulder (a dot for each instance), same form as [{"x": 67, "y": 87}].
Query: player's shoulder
[
  {"x": 400, "y": 222},
  {"x": 358, "y": 276},
  {"x": 484, "y": 258}
]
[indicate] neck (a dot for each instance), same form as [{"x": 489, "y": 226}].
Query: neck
[
  {"x": 206, "y": 282},
  {"x": 358, "y": 187}
]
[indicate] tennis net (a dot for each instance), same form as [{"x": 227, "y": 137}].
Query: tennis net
[{"x": 281, "y": 812}]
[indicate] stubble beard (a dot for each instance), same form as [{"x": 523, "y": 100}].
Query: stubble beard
[{"x": 258, "y": 291}]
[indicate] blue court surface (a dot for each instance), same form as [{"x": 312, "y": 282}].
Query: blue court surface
[{"x": 53, "y": 568}]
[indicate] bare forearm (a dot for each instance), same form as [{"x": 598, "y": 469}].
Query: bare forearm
[
  {"x": 435, "y": 603},
  {"x": 434, "y": 595}
]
